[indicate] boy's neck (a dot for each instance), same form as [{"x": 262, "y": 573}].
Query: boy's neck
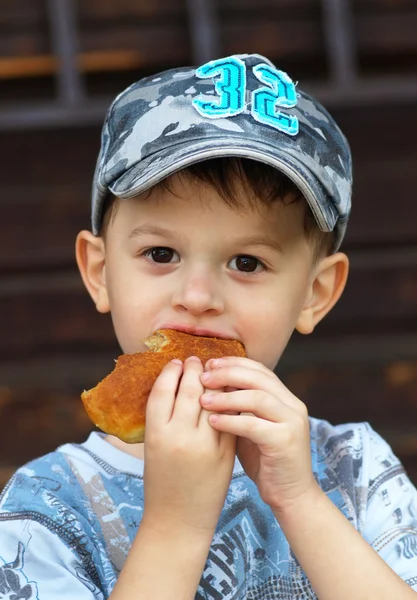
[{"x": 136, "y": 450}]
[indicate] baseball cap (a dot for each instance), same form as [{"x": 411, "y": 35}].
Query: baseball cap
[{"x": 240, "y": 106}]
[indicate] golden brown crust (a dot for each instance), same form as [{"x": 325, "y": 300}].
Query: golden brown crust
[{"x": 117, "y": 404}]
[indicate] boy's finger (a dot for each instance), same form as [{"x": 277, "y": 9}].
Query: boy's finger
[
  {"x": 237, "y": 361},
  {"x": 262, "y": 405},
  {"x": 162, "y": 397},
  {"x": 242, "y": 378},
  {"x": 204, "y": 415},
  {"x": 246, "y": 426},
  {"x": 187, "y": 405}
]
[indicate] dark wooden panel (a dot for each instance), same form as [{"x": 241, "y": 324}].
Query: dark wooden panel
[
  {"x": 377, "y": 7},
  {"x": 298, "y": 8},
  {"x": 36, "y": 421},
  {"x": 387, "y": 33},
  {"x": 50, "y": 314},
  {"x": 101, "y": 10},
  {"x": 276, "y": 39},
  {"x": 152, "y": 28},
  {"x": 22, "y": 13},
  {"x": 384, "y": 159},
  {"x": 46, "y": 194},
  {"x": 34, "y": 158},
  {"x": 42, "y": 224},
  {"x": 33, "y": 14},
  {"x": 384, "y": 394},
  {"x": 375, "y": 296},
  {"x": 26, "y": 43},
  {"x": 151, "y": 40},
  {"x": 380, "y": 5}
]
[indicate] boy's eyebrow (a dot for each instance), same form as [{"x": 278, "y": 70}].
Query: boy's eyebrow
[
  {"x": 258, "y": 241},
  {"x": 244, "y": 241},
  {"x": 150, "y": 230}
]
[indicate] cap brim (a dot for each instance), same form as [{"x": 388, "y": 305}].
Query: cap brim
[{"x": 154, "y": 168}]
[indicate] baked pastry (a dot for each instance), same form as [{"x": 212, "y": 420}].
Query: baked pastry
[{"x": 117, "y": 404}]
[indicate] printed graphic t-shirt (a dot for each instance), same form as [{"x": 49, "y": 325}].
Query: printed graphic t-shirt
[{"x": 67, "y": 520}]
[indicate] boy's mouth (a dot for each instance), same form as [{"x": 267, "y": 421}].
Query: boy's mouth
[{"x": 193, "y": 330}]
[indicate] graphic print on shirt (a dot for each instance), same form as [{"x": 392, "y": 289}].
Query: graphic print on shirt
[
  {"x": 108, "y": 513},
  {"x": 249, "y": 557},
  {"x": 14, "y": 584}
]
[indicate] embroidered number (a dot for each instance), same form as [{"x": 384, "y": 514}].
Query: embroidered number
[
  {"x": 230, "y": 88},
  {"x": 265, "y": 102}
]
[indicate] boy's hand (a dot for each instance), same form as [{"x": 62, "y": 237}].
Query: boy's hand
[
  {"x": 188, "y": 464},
  {"x": 274, "y": 439}
]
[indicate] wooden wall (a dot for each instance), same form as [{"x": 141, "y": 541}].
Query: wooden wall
[{"x": 360, "y": 364}]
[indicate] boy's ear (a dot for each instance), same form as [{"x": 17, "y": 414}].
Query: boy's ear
[
  {"x": 90, "y": 254},
  {"x": 329, "y": 280}
]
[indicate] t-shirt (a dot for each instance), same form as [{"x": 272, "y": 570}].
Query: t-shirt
[{"x": 67, "y": 520}]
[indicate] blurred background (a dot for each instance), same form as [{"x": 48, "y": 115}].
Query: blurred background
[{"x": 63, "y": 61}]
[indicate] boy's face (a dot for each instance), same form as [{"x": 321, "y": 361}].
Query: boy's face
[{"x": 183, "y": 259}]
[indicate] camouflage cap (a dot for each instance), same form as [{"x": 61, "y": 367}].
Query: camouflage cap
[{"x": 240, "y": 106}]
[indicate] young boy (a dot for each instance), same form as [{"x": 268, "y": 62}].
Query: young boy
[{"x": 220, "y": 200}]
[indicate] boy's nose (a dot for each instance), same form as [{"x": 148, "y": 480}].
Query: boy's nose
[{"x": 198, "y": 293}]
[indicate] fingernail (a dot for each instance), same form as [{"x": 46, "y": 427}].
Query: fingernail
[
  {"x": 193, "y": 359},
  {"x": 215, "y": 362},
  {"x": 207, "y": 398},
  {"x": 204, "y": 377},
  {"x": 213, "y": 418},
  {"x": 177, "y": 361}
]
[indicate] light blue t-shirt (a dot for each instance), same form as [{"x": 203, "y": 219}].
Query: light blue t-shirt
[{"x": 67, "y": 520}]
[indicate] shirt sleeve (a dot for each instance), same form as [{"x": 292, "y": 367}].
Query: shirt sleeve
[
  {"x": 36, "y": 564},
  {"x": 390, "y": 524}
]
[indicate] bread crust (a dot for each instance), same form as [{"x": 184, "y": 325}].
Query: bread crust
[{"x": 117, "y": 405}]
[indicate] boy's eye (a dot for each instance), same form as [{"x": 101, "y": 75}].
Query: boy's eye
[
  {"x": 161, "y": 254},
  {"x": 246, "y": 264}
]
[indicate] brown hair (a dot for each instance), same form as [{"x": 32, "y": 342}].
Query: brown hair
[{"x": 265, "y": 183}]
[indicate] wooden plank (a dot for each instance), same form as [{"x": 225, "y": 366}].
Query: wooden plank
[
  {"x": 376, "y": 298},
  {"x": 387, "y": 33},
  {"x": 276, "y": 39},
  {"x": 88, "y": 62},
  {"x": 299, "y": 8},
  {"x": 149, "y": 40},
  {"x": 51, "y": 157},
  {"x": 287, "y": 29},
  {"x": 47, "y": 418},
  {"x": 31, "y": 14},
  {"x": 60, "y": 317},
  {"x": 383, "y": 6},
  {"x": 42, "y": 226},
  {"x": 381, "y": 393},
  {"x": 296, "y": 34},
  {"x": 108, "y": 10},
  {"x": 22, "y": 14},
  {"x": 25, "y": 43}
]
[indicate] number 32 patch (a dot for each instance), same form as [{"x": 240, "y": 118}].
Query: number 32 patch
[{"x": 279, "y": 92}]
